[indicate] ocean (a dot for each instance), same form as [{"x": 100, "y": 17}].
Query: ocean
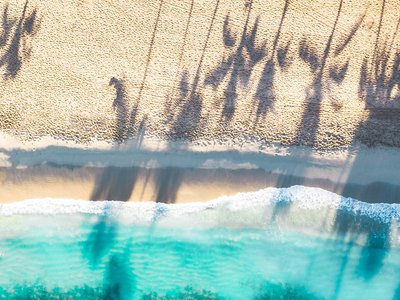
[{"x": 288, "y": 243}]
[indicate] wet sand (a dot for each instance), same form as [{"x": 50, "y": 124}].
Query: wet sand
[
  {"x": 168, "y": 185},
  {"x": 174, "y": 172}
]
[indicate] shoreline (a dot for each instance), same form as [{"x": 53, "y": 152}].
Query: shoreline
[
  {"x": 168, "y": 185},
  {"x": 298, "y": 209},
  {"x": 175, "y": 172}
]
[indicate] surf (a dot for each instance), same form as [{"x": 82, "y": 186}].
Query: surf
[{"x": 290, "y": 242}]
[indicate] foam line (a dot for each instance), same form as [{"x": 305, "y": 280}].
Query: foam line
[{"x": 304, "y": 198}]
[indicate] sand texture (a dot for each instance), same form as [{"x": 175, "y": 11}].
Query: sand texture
[
  {"x": 178, "y": 101},
  {"x": 319, "y": 73}
]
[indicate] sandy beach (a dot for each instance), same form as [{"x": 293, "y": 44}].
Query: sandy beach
[
  {"x": 198, "y": 99},
  {"x": 200, "y": 149}
]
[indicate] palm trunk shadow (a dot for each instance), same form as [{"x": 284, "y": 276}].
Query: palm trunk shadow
[{"x": 168, "y": 181}]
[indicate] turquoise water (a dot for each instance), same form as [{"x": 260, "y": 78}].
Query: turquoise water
[{"x": 119, "y": 251}]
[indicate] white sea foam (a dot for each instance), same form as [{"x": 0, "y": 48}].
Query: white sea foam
[
  {"x": 270, "y": 201},
  {"x": 298, "y": 209}
]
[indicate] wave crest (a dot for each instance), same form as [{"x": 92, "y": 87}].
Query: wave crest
[{"x": 297, "y": 205}]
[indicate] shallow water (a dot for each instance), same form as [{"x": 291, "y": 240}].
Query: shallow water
[{"x": 146, "y": 251}]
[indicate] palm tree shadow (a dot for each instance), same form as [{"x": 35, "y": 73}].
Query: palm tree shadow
[
  {"x": 101, "y": 238},
  {"x": 171, "y": 104},
  {"x": 113, "y": 183},
  {"x": 6, "y": 26},
  {"x": 378, "y": 82},
  {"x": 239, "y": 60},
  {"x": 186, "y": 121},
  {"x": 321, "y": 82},
  {"x": 282, "y": 205},
  {"x": 18, "y": 49},
  {"x": 308, "y": 128},
  {"x": 187, "y": 115},
  {"x": 378, "y": 77},
  {"x": 147, "y": 65},
  {"x": 168, "y": 181},
  {"x": 116, "y": 183},
  {"x": 119, "y": 280},
  {"x": 265, "y": 94},
  {"x": 353, "y": 223},
  {"x": 265, "y": 97}
]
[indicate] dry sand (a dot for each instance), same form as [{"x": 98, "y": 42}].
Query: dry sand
[
  {"x": 297, "y": 89},
  {"x": 293, "y": 74}
]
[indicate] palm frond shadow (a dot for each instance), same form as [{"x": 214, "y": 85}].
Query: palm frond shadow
[
  {"x": 241, "y": 55},
  {"x": 380, "y": 79},
  {"x": 15, "y": 40}
]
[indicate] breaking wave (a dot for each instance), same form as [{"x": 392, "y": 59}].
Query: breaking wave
[
  {"x": 228, "y": 248},
  {"x": 297, "y": 207}
]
